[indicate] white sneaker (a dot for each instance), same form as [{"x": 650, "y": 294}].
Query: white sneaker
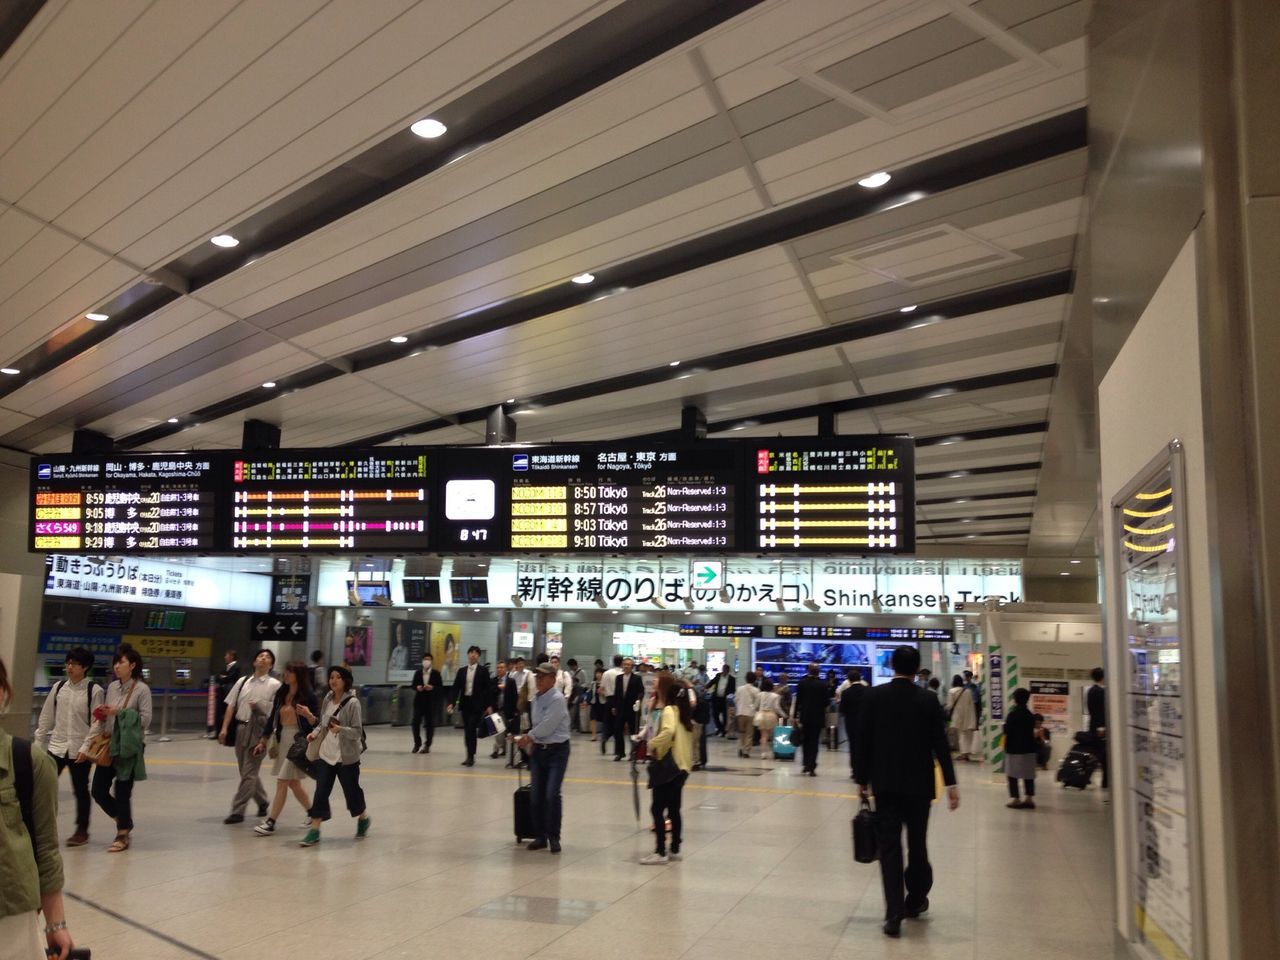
[
  {"x": 306, "y": 824},
  {"x": 266, "y": 828},
  {"x": 654, "y": 859}
]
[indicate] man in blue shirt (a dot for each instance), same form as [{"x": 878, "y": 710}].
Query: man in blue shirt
[{"x": 548, "y": 745}]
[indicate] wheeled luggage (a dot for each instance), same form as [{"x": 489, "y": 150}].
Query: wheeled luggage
[
  {"x": 1077, "y": 769},
  {"x": 783, "y": 747},
  {"x": 523, "y": 804},
  {"x": 831, "y": 735}
]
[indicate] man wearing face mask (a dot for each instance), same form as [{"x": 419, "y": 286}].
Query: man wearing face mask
[{"x": 426, "y": 681}]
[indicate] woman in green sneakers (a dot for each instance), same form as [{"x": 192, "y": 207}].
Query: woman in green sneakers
[{"x": 335, "y": 747}]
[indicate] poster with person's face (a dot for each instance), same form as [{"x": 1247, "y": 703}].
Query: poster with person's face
[
  {"x": 357, "y": 646},
  {"x": 408, "y": 644},
  {"x": 446, "y": 646}
]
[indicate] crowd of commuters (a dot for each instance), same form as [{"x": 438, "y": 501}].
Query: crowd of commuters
[{"x": 898, "y": 740}]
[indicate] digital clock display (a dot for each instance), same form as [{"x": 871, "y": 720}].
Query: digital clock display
[
  {"x": 614, "y": 499},
  {"x": 124, "y": 503}
]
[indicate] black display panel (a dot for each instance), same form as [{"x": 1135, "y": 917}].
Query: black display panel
[
  {"x": 881, "y": 634},
  {"x": 611, "y": 498},
  {"x": 109, "y": 617},
  {"x": 124, "y": 503},
  {"x": 469, "y": 590},
  {"x": 720, "y": 630},
  {"x": 298, "y": 501},
  {"x": 838, "y": 495},
  {"x": 421, "y": 591}
]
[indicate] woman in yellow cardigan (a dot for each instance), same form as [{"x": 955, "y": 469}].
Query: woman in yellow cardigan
[{"x": 674, "y": 736}]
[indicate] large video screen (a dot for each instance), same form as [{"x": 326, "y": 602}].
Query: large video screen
[
  {"x": 791, "y": 658},
  {"x": 126, "y": 503},
  {"x": 840, "y": 495}
]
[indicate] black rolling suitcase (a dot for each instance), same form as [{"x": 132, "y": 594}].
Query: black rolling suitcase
[
  {"x": 1077, "y": 769},
  {"x": 523, "y": 804}
]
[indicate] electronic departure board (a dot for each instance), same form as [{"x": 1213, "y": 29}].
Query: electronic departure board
[
  {"x": 289, "y": 500},
  {"x": 843, "y": 494},
  {"x": 720, "y": 630},
  {"x": 124, "y": 503},
  {"x": 806, "y": 632},
  {"x": 615, "y": 499}
]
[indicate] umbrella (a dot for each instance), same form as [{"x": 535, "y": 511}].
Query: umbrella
[{"x": 635, "y": 785}]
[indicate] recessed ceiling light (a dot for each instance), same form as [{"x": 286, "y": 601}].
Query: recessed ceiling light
[
  {"x": 583, "y": 278},
  {"x": 269, "y": 385},
  {"x": 428, "y": 128},
  {"x": 172, "y": 420},
  {"x": 674, "y": 363},
  {"x": 224, "y": 240},
  {"x": 96, "y": 317},
  {"x": 1064, "y": 574},
  {"x": 511, "y": 399},
  {"x": 11, "y": 371},
  {"x": 400, "y": 339},
  {"x": 907, "y": 309},
  {"x": 875, "y": 180},
  {"x": 1077, "y": 561}
]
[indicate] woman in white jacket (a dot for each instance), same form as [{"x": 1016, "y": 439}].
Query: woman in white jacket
[{"x": 963, "y": 715}]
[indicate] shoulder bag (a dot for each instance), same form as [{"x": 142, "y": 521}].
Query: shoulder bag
[
  {"x": 98, "y": 749},
  {"x": 235, "y": 708}
]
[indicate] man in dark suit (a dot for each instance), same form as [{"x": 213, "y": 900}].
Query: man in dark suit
[
  {"x": 901, "y": 730},
  {"x": 624, "y": 705},
  {"x": 472, "y": 694},
  {"x": 850, "y": 707},
  {"x": 426, "y": 681},
  {"x": 722, "y": 688},
  {"x": 810, "y": 706},
  {"x": 1095, "y": 701},
  {"x": 226, "y": 680}
]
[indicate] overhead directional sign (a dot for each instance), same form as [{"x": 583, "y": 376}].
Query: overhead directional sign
[
  {"x": 708, "y": 574},
  {"x": 278, "y": 628}
]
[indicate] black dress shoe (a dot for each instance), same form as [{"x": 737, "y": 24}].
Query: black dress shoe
[
  {"x": 415, "y": 749},
  {"x": 555, "y": 846},
  {"x": 469, "y": 762},
  {"x": 913, "y": 913},
  {"x": 262, "y": 809},
  {"x": 893, "y": 928},
  {"x": 234, "y": 818},
  {"x": 536, "y": 845}
]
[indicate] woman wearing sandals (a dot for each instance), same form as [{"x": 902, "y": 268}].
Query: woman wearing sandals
[
  {"x": 285, "y": 722},
  {"x": 675, "y": 736},
  {"x": 334, "y": 751},
  {"x": 126, "y": 717}
]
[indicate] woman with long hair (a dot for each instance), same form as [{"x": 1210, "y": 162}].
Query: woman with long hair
[
  {"x": 336, "y": 743},
  {"x": 766, "y": 717},
  {"x": 125, "y": 716},
  {"x": 674, "y": 736},
  {"x": 284, "y": 724}
]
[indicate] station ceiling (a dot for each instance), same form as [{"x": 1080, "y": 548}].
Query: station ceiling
[{"x": 700, "y": 159}]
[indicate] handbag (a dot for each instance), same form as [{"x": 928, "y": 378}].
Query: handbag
[
  {"x": 493, "y": 726},
  {"x": 99, "y": 748},
  {"x": 298, "y": 753},
  {"x": 864, "y": 834},
  {"x": 235, "y": 708},
  {"x": 273, "y": 748}
]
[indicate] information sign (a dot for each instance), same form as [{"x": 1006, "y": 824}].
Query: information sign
[
  {"x": 298, "y": 501},
  {"x": 844, "y": 494},
  {"x": 124, "y": 503}
]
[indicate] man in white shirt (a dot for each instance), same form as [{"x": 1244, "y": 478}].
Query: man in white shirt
[
  {"x": 564, "y": 681},
  {"x": 249, "y": 704},
  {"x": 473, "y": 695},
  {"x": 63, "y": 729},
  {"x": 608, "y": 681}
]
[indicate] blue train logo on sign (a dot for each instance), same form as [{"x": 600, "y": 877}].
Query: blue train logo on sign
[
  {"x": 44, "y": 471},
  {"x": 520, "y": 462}
]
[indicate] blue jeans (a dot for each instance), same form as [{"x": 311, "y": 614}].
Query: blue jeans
[{"x": 547, "y": 765}]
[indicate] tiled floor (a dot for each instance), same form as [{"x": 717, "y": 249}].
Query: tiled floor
[{"x": 767, "y": 870}]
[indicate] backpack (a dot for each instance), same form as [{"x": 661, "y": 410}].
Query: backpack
[
  {"x": 88, "y": 700},
  {"x": 24, "y": 784}
]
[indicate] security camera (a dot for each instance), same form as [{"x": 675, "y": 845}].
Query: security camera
[
  {"x": 601, "y": 602},
  {"x": 813, "y": 605},
  {"x": 659, "y": 603},
  {"x": 516, "y": 601}
]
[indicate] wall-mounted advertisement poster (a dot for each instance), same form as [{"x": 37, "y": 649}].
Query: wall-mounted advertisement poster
[
  {"x": 408, "y": 644},
  {"x": 446, "y": 640}
]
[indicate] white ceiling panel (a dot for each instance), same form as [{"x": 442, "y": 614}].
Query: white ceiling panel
[{"x": 44, "y": 317}]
